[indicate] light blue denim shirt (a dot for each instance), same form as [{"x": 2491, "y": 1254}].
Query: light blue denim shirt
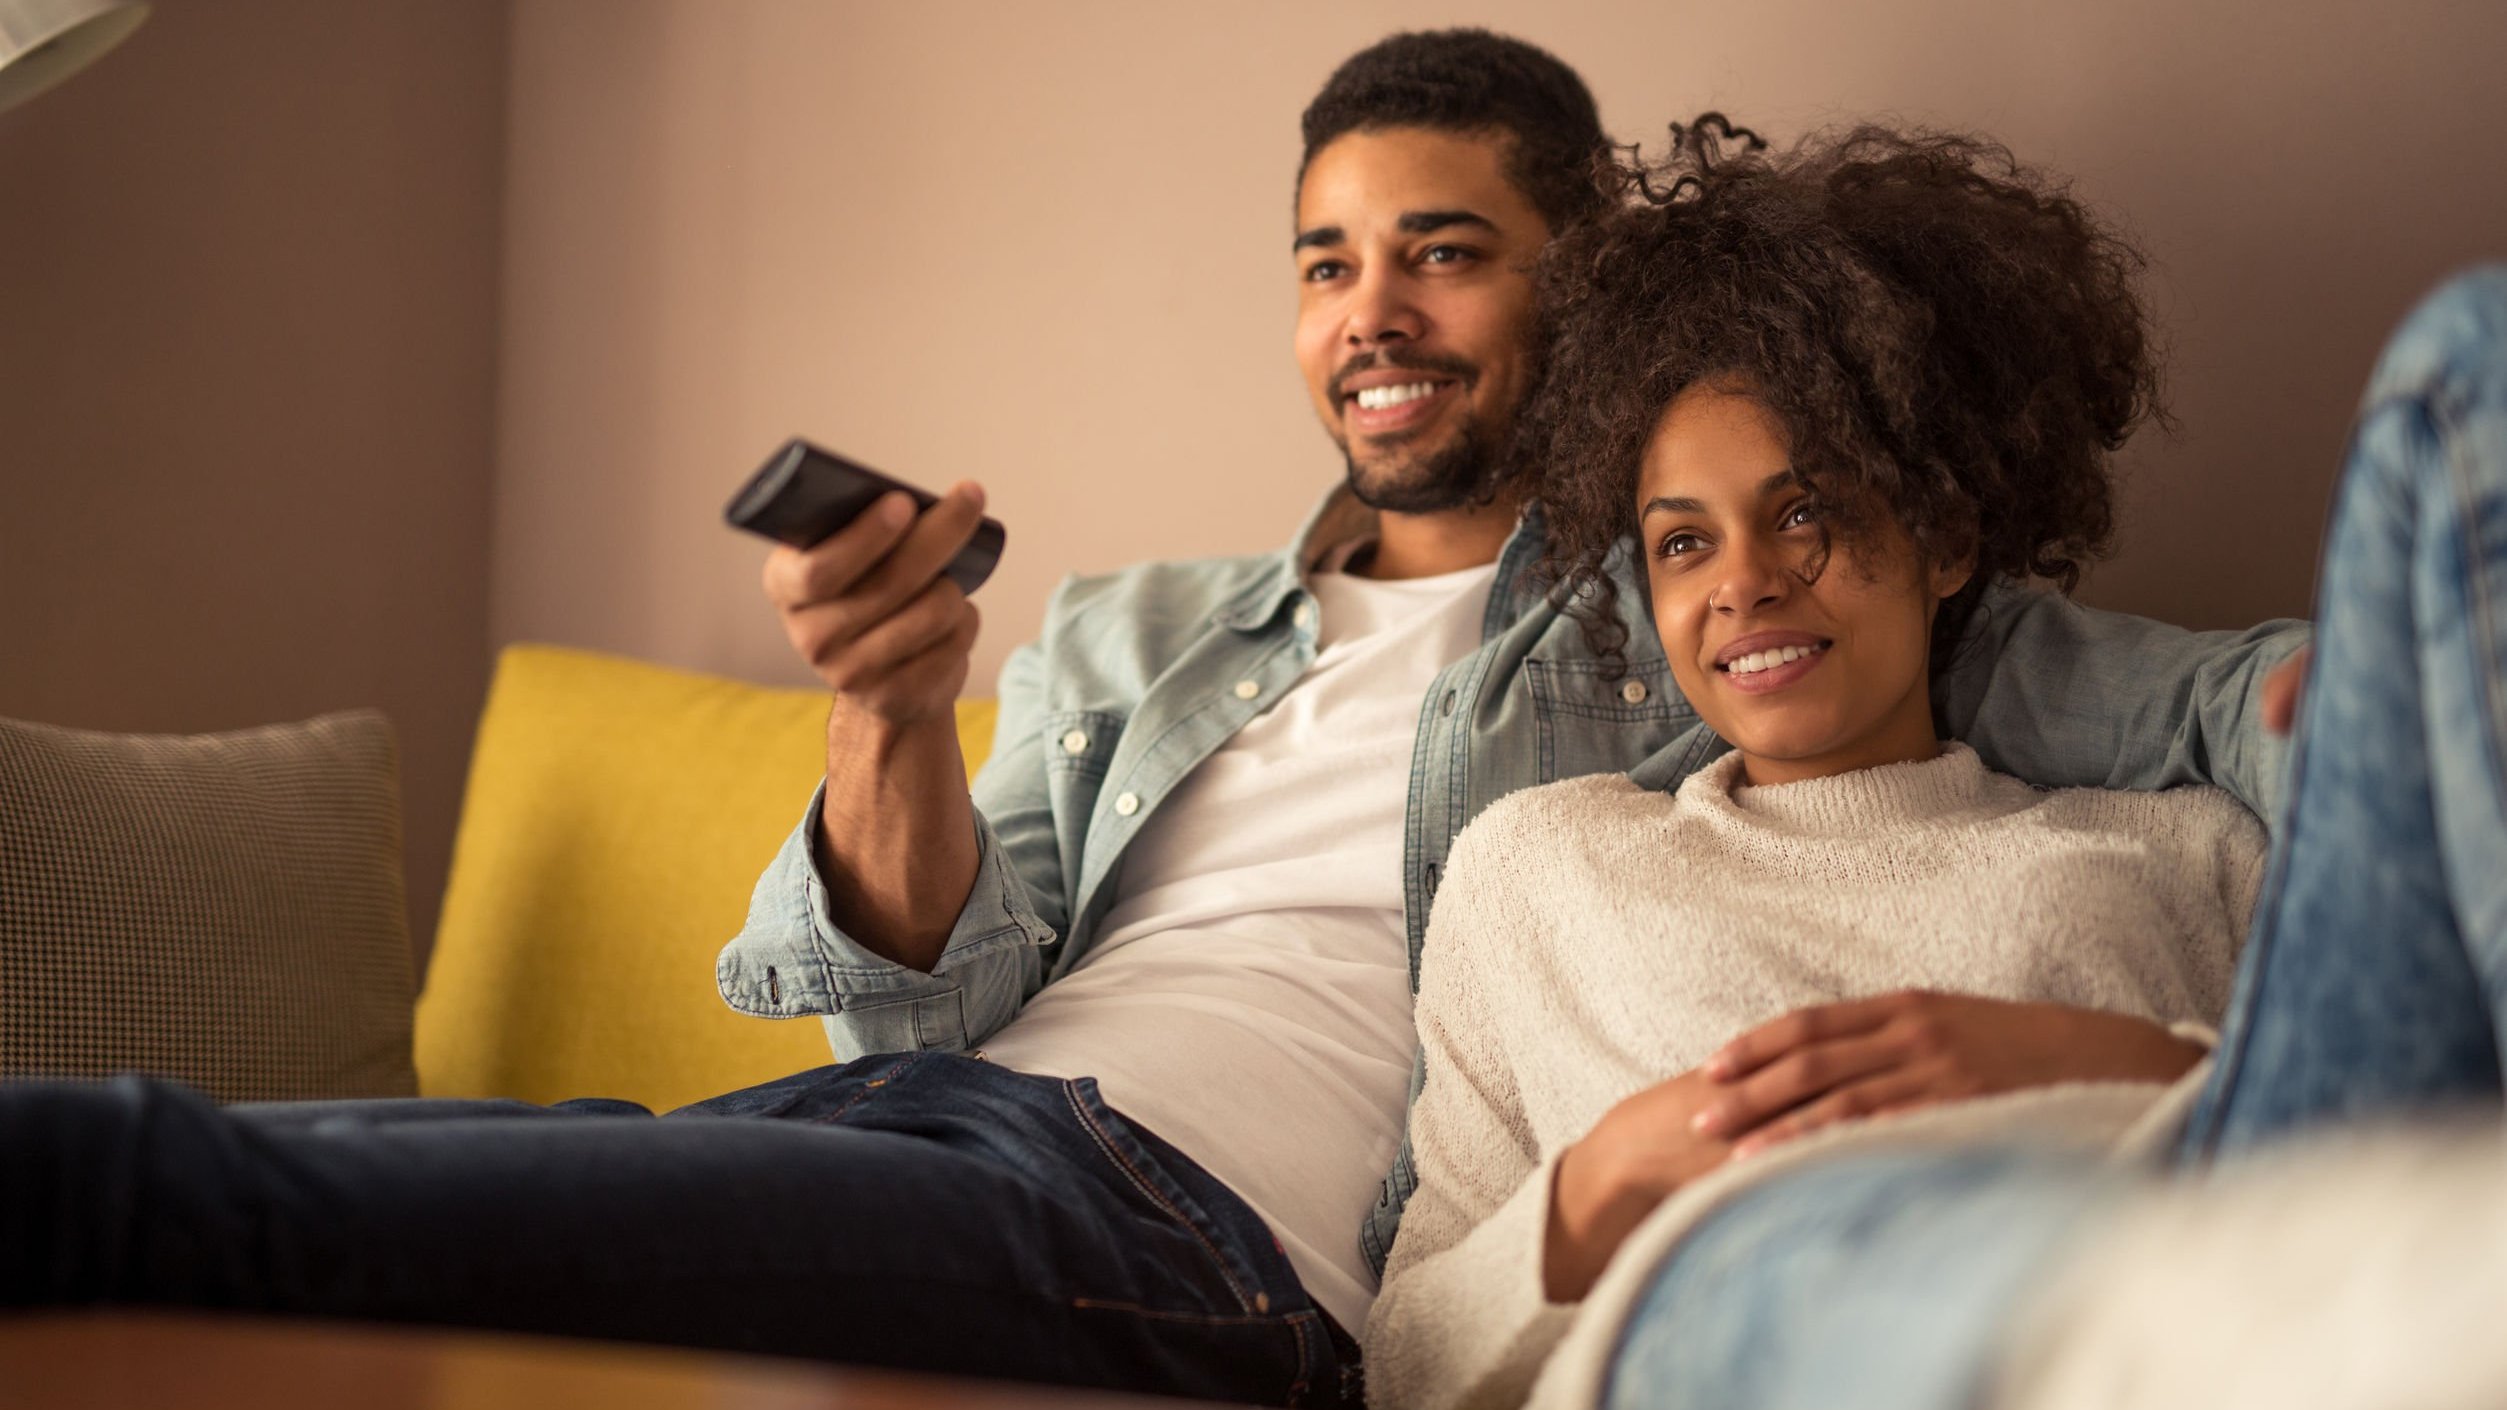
[{"x": 1141, "y": 674}]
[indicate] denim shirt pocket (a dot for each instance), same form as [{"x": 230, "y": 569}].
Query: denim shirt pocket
[
  {"x": 1079, "y": 744},
  {"x": 1593, "y": 723}
]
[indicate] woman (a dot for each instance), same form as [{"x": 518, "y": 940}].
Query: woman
[{"x": 1833, "y": 393}]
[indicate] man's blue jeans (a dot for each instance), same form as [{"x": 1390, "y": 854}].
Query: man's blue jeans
[
  {"x": 2373, "y": 984},
  {"x": 926, "y": 1211}
]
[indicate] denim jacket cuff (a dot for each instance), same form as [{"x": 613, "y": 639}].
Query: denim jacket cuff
[{"x": 791, "y": 960}]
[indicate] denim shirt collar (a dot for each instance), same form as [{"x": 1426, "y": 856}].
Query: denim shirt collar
[{"x": 1338, "y": 524}]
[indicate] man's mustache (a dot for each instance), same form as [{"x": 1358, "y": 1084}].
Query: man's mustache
[{"x": 1454, "y": 367}]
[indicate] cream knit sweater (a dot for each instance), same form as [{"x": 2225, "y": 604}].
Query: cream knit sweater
[{"x": 1592, "y": 939}]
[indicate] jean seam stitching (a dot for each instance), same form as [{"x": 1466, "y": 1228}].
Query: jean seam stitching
[
  {"x": 1105, "y": 1144},
  {"x": 1297, "y": 1387},
  {"x": 867, "y": 1088},
  {"x": 2467, "y": 504}
]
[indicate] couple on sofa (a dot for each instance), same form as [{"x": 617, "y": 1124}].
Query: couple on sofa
[{"x": 1131, "y": 1028}]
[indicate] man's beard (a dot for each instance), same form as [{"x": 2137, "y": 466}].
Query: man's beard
[{"x": 1462, "y": 473}]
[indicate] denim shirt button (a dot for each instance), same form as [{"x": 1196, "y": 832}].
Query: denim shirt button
[
  {"x": 1633, "y": 692},
  {"x": 1247, "y": 690},
  {"x": 1304, "y": 615},
  {"x": 1075, "y": 742},
  {"x": 1127, "y": 805}
]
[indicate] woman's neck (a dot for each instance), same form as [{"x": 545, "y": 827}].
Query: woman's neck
[{"x": 1903, "y": 736}]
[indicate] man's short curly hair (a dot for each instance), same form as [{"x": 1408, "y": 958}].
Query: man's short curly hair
[
  {"x": 1473, "y": 81},
  {"x": 1951, "y": 342}
]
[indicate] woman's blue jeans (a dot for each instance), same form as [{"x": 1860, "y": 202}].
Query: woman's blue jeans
[
  {"x": 925, "y": 1211},
  {"x": 2373, "y": 984}
]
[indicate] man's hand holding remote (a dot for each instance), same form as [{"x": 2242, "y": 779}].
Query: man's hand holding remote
[{"x": 872, "y": 613}]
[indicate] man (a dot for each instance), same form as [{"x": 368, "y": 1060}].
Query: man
[
  {"x": 1254, "y": 796},
  {"x": 1136, "y": 1013}
]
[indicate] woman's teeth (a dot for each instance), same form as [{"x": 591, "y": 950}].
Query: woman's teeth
[
  {"x": 1379, "y": 398},
  {"x": 1758, "y": 661}
]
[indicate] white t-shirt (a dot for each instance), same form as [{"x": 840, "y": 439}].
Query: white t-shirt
[{"x": 1249, "y": 996}]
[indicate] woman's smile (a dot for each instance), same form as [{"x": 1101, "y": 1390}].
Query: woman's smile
[{"x": 1769, "y": 661}]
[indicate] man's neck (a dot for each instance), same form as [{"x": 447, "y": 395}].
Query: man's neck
[{"x": 1425, "y": 545}]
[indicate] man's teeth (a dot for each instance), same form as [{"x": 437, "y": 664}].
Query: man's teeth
[
  {"x": 1378, "y": 398},
  {"x": 1758, "y": 661}
]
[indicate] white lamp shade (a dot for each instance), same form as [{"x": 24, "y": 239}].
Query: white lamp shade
[{"x": 45, "y": 41}]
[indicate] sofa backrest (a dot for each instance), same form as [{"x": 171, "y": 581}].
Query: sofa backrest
[{"x": 617, "y": 816}]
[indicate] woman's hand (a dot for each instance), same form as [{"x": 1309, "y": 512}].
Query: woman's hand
[
  {"x": 1816, "y": 1066},
  {"x": 1640, "y": 1151}
]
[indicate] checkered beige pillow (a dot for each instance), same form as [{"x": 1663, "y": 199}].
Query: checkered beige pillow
[{"x": 223, "y": 909}]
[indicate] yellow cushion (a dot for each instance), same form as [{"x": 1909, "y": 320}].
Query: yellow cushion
[{"x": 618, "y": 814}]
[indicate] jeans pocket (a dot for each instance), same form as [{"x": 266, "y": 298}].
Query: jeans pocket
[
  {"x": 1146, "y": 1169},
  {"x": 1256, "y": 1316}
]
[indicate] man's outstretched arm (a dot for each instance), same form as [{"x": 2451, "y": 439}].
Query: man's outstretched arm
[
  {"x": 2068, "y": 696},
  {"x": 871, "y": 612},
  {"x": 893, "y": 911}
]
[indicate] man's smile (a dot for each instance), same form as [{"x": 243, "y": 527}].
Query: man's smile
[
  {"x": 1386, "y": 398},
  {"x": 1390, "y": 400}
]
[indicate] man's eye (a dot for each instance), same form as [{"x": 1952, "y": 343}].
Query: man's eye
[
  {"x": 1447, "y": 254},
  {"x": 1321, "y": 270}
]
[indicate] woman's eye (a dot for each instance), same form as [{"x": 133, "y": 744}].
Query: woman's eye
[
  {"x": 1678, "y": 544},
  {"x": 1799, "y": 515}
]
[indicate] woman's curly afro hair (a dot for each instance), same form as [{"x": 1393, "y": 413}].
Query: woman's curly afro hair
[{"x": 1951, "y": 342}]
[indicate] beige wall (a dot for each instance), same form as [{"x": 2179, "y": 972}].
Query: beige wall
[
  {"x": 1045, "y": 245},
  {"x": 247, "y": 339},
  {"x": 254, "y": 374}
]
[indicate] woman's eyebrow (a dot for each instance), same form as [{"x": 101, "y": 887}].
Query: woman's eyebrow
[{"x": 1662, "y": 504}]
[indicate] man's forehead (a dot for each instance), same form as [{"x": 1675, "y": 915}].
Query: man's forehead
[{"x": 1409, "y": 180}]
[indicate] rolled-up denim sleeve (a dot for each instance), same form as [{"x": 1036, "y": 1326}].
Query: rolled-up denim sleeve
[
  {"x": 792, "y": 960},
  {"x": 2067, "y": 696}
]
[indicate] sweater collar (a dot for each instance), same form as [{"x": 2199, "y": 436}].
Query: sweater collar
[{"x": 1952, "y": 782}]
